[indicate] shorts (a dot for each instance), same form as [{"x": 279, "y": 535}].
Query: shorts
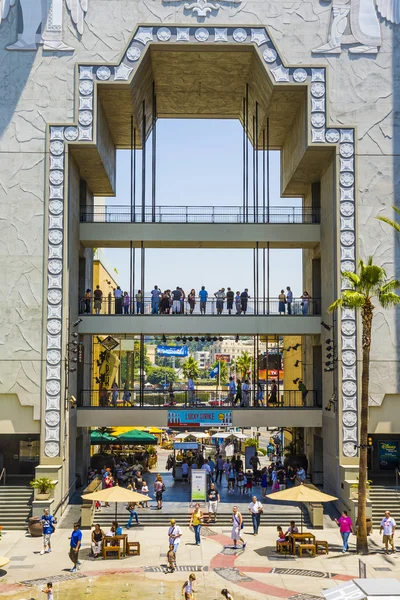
[
  {"x": 159, "y": 495},
  {"x": 97, "y": 304},
  {"x": 235, "y": 535},
  {"x": 388, "y": 538},
  {"x": 46, "y": 539},
  {"x": 213, "y": 507},
  {"x": 229, "y": 304}
]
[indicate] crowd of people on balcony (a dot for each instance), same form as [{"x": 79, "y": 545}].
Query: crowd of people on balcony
[{"x": 178, "y": 302}]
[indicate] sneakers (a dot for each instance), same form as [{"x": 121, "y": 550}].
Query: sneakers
[
  {"x": 48, "y": 551},
  {"x": 42, "y": 552},
  {"x": 244, "y": 545},
  {"x": 73, "y": 570},
  {"x": 79, "y": 563}
]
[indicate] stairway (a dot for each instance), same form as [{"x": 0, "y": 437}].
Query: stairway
[
  {"x": 15, "y": 506},
  {"x": 384, "y": 498},
  {"x": 160, "y": 518}
]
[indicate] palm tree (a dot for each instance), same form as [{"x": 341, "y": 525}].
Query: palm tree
[
  {"x": 243, "y": 364},
  {"x": 390, "y": 222},
  {"x": 190, "y": 368},
  {"x": 371, "y": 283}
]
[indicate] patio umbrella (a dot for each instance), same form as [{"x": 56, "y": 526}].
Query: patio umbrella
[
  {"x": 101, "y": 439},
  {"x": 135, "y": 437},
  {"x": 301, "y": 493},
  {"x": 116, "y": 494}
]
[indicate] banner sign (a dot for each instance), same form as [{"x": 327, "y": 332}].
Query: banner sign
[
  {"x": 180, "y": 351},
  {"x": 388, "y": 455},
  {"x": 223, "y": 358},
  {"x": 199, "y": 485},
  {"x": 199, "y": 418}
]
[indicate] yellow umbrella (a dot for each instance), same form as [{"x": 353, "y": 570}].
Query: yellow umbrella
[
  {"x": 302, "y": 493},
  {"x": 4, "y": 561},
  {"x": 116, "y": 494}
]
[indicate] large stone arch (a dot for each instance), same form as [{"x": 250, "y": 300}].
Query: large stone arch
[{"x": 83, "y": 131}]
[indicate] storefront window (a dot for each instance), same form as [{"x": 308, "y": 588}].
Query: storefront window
[
  {"x": 29, "y": 451},
  {"x": 388, "y": 455}
]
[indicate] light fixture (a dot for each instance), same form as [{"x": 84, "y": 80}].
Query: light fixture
[
  {"x": 328, "y": 341},
  {"x": 326, "y": 326},
  {"x": 296, "y": 364},
  {"x": 203, "y": 339},
  {"x": 237, "y": 338},
  {"x": 221, "y": 339},
  {"x": 74, "y": 334},
  {"x": 164, "y": 339},
  {"x": 288, "y": 349},
  {"x": 178, "y": 339},
  {"x": 196, "y": 339},
  {"x": 215, "y": 339},
  {"x": 184, "y": 340},
  {"x": 296, "y": 380},
  {"x": 296, "y": 347},
  {"x": 190, "y": 339},
  {"x": 77, "y": 323},
  {"x": 208, "y": 338}
]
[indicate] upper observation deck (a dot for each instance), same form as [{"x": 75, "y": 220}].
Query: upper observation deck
[{"x": 184, "y": 226}]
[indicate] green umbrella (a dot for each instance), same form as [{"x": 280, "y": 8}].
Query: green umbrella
[
  {"x": 135, "y": 437},
  {"x": 98, "y": 438}
]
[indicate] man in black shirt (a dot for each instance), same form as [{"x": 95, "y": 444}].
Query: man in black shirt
[
  {"x": 213, "y": 499},
  {"x": 238, "y": 464},
  {"x": 244, "y": 296},
  {"x": 230, "y": 296},
  {"x": 176, "y": 300}
]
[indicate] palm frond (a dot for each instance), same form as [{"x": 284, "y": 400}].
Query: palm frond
[
  {"x": 352, "y": 277},
  {"x": 353, "y": 299},
  {"x": 335, "y": 305},
  {"x": 371, "y": 275},
  {"x": 390, "y": 222},
  {"x": 389, "y": 286},
  {"x": 389, "y": 299}
]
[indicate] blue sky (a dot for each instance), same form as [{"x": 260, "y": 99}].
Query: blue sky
[{"x": 199, "y": 163}]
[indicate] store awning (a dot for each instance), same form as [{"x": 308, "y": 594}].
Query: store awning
[
  {"x": 197, "y": 435},
  {"x": 101, "y": 439},
  {"x": 134, "y": 437}
]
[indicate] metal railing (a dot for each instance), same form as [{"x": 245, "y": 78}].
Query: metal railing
[
  {"x": 165, "y": 306},
  {"x": 199, "y": 214},
  {"x": 161, "y": 398}
]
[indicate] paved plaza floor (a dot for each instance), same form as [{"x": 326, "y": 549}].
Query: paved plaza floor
[{"x": 257, "y": 572}]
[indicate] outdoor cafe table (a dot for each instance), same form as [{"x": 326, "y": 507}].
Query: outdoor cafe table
[
  {"x": 115, "y": 540},
  {"x": 305, "y": 538}
]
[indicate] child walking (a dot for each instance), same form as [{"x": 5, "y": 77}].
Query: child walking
[
  {"x": 171, "y": 559},
  {"x": 145, "y": 491},
  {"x": 49, "y": 590}
]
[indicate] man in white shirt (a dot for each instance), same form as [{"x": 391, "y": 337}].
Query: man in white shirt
[
  {"x": 388, "y": 526},
  {"x": 255, "y": 509},
  {"x": 213, "y": 499},
  {"x": 174, "y": 535}
]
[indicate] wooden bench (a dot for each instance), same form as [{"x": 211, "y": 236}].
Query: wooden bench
[
  {"x": 133, "y": 548},
  {"x": 322, "y": 544},
  {"x": 111, "y": 550},
  {"x": 281, "y": 545},
  {"x": 310, "y": 547}
]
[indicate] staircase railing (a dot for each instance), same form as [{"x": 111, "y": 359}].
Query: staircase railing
[{"x": 3, "y": 475}]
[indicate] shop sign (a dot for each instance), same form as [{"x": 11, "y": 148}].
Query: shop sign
[
  {"x": 199, "y": 485},
  {"x": 199, "y": 418},
  {"x": 388, "y": 455},
  {"x": 180, "y": 351}
]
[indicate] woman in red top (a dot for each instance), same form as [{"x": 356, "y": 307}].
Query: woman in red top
[{"x": 346, "y": 527}]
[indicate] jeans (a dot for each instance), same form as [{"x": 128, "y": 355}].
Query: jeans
[
  {"x": 138, "y": 308},
  {"x": 219, "y": 475},
  {"x": 126, "y": 309},
  {"x": 197, "y": 529},
  {"x": 133, "y": 515},
  {"x": 203, "y": 304},
  {"x": 289, "y": 308},
  {"x": 345, "y": 537},
  {"x": 256, "y": 521},
  {"x": 176, "y": 546},
  {"x": 154, "y": 306}
]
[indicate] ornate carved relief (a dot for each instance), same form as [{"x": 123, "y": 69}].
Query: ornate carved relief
[{"x": 314, "y": 78}]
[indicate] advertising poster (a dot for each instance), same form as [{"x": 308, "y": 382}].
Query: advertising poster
[
  {"x": 199, "y": 418},
  {"x": 199, "y": 485},
  {"x": 250, "y": 452},
  {"x": 388, "y": 455},
  {"x": 180, "y": 351}
]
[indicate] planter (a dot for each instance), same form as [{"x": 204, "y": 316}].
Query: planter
[
  {"x": 35, "y": 527},
  {"x": 42, "y": 496}
]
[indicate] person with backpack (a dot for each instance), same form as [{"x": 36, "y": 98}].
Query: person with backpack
[{"x": 237, "y": 526}]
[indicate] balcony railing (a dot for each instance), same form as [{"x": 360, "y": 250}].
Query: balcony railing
[
  {"x": 160, "y": 398},
  {"x": 286, "y": 215},
  {"x": 259, "y": 307}
]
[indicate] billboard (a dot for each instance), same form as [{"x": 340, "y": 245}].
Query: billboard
[
  {"x": 199, "y": 418},
  {"x": 199, "y": 485},
  {"x": 388, "y": 455},
  {"x": 180, "y": 351},
  {"x": 223, "y": 358}
]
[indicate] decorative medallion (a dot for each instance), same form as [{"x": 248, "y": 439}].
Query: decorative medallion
[
  {"x": 240, "y": 35},
  {"x": 270, "y": 55},
  {"x": 52, "y": 418},
  {"x": 182, "y": 34},
  {"x": 201, "y": 34},
  {"x": 348, "y": 327},
  {"x": 349, "y": 449},
  {"x": 347, "y": 238},
  {"x": 280, "y": 73},
  {"x": 348, "y": 357},
  {"x": 318, "y": 90},
  {"x": 318, "y": 119},
  {"x": 220, "y": 35},
  {"x": 55, "y": 266},
  {"x": 349, "y": 388},
  {"x": 53, "y": 387},
  {"x": 347, "y": 179},
  {"x": 164, "y": 34},
  {"x": 346, "y": 150},
  {"x": 300, "y": 75},
  {"x": 56, "y": 147},
  {"x": 103, "y": 73},
  {"x": 53, "y": 357},
  {"x": 122, "y": 72},
  {"x": 71, "y": 134},
  {"x": 56, "y": 177},
  {"x": 54, "y": 296},
  {"x": 133, "y": 53},
  {"x": 144, "y": 35},
  {"x": 53, "y": 326},
  {"x": 55, "y": 237},
  {"x": 332, "y": 136},
  {"x": 51, "y": 449},
  {"x": 86, "y": 87},
  {"x": 85, "y": 117},
  {"x": 259, "y": 37},
  {"x": 347, "y": 209}
]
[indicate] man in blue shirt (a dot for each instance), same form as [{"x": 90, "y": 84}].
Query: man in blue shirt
[
  {"x": 190, "y": 387},
  {"x": 232, "y": 390},
  {"x": 47, "y": 522},
  {"x": 75, "y": 544},
  {"x": 155, "y": 300},
  {"x": 203, "y": 295}
]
